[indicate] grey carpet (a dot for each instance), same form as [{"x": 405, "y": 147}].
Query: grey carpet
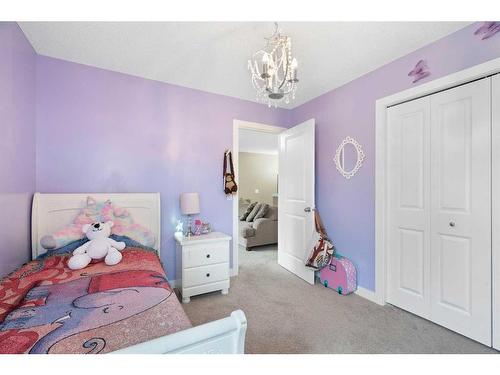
[{"x": 286, "y": 315}]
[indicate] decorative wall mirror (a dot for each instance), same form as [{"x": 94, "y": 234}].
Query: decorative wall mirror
[{"x": 349, "y": 157}]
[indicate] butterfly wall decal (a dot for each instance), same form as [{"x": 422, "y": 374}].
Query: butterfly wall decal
[
  {"x": 420, "y": 71},
  {"x": 488, "y": 29}
]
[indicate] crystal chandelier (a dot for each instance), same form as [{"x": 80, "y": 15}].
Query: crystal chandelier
[{"x": 274, "y": 71}]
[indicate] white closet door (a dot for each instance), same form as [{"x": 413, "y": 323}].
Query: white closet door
[
  {"x": 408, "y": 267},
  {"x": 461, "y": 210},
  {"x": 495, "y": 110}
]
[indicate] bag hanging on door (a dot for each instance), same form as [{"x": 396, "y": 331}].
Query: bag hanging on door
[
  {"x": 230, "y": 186},
  {"x": 323, "y": 248}
]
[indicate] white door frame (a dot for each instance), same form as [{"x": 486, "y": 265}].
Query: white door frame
[
  {"x": 237, "y": 125},
  {"x": 495, "y": 209},
  {"x": 464, "y": 76}
]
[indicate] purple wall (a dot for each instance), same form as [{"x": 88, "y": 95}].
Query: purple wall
[
  {"x": 347, "y": 207},
  {"x": 17, "y": 145},
  {"x": 101, "y": 131}
]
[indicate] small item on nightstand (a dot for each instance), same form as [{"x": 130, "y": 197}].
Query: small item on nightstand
[
  {"x": 190, "y": 205},
  {"x": 197, "y": 227},
  {"x": 179, "y": 227},
  {"x": 205, "y": 228},
  {"x": 201, "y": 228}
]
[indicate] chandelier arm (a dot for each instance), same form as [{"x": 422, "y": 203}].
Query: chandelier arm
[
  {"x": 284, "y": 92},
  {"x": 258, "y": 87},
  {"x": 285, "y": 75}
]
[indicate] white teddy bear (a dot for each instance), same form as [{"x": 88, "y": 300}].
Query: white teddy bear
[{"x": 100, "y": 246}]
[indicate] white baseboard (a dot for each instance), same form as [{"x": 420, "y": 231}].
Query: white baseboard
[
  {"x": 175, "y": 283},
  {"x": 362, "y": 292},
  {"x": 368, "y": 294}
]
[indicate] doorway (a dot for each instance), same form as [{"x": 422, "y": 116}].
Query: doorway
[
  {"x": 254, "y": 144},
  {"x": 296, "y": 202}
]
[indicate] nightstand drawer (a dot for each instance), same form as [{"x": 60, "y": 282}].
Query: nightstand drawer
[
  {"x": 205, "y": 274},
  {"x": 205, "y": 254}
]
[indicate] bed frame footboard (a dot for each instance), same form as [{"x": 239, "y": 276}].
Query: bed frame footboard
[{"x": 224, "y": 336}]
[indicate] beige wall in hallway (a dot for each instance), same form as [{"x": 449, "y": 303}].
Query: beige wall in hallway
[{"x": 257, "y": 171}]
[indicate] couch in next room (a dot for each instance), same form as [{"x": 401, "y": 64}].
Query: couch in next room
[{"x": 263, "y": 231}]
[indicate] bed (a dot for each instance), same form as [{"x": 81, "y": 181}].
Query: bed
[{"x": 128, "y": 308}]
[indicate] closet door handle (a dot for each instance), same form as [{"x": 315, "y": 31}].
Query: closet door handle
[
  {"x": 452, "y": 224},
  {"x": 307, "y": 209}
]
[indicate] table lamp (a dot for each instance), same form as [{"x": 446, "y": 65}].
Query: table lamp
[{"x": 190, "y": 205}]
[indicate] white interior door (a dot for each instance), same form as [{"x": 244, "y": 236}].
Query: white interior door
[
  {"x": 461, "y": 210},
  {"x": 495, "y": 130},
  {"x": 296, "y": 198},
  {"x": 408, "y": 268}
]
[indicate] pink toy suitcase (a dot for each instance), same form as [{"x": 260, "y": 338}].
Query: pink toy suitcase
[{"x": 339, "y": 275}]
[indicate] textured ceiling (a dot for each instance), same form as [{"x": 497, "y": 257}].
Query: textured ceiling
[{"x": 212, "y": 56}]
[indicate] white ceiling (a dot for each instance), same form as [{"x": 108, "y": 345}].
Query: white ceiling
[
  {"x": 212, "y": 56},
  {"x": 258, "y": 142}
]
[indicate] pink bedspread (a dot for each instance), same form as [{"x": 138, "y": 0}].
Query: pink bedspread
[{"x": 47, "y": 308}]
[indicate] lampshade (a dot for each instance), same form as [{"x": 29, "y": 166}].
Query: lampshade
[{"x": 190, "y": 203}]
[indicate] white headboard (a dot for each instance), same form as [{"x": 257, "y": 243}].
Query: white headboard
[{"x": 52, "y": 212}]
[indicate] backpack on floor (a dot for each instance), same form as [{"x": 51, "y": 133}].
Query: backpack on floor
[{"x": 339, "y": 275}]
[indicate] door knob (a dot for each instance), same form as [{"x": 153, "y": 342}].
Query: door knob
[
  {"x": 452, "y": 223},
  {"x": 307, "y": 209}
]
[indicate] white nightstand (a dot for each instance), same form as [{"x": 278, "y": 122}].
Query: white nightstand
[{"x": 203, "y": 264}]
